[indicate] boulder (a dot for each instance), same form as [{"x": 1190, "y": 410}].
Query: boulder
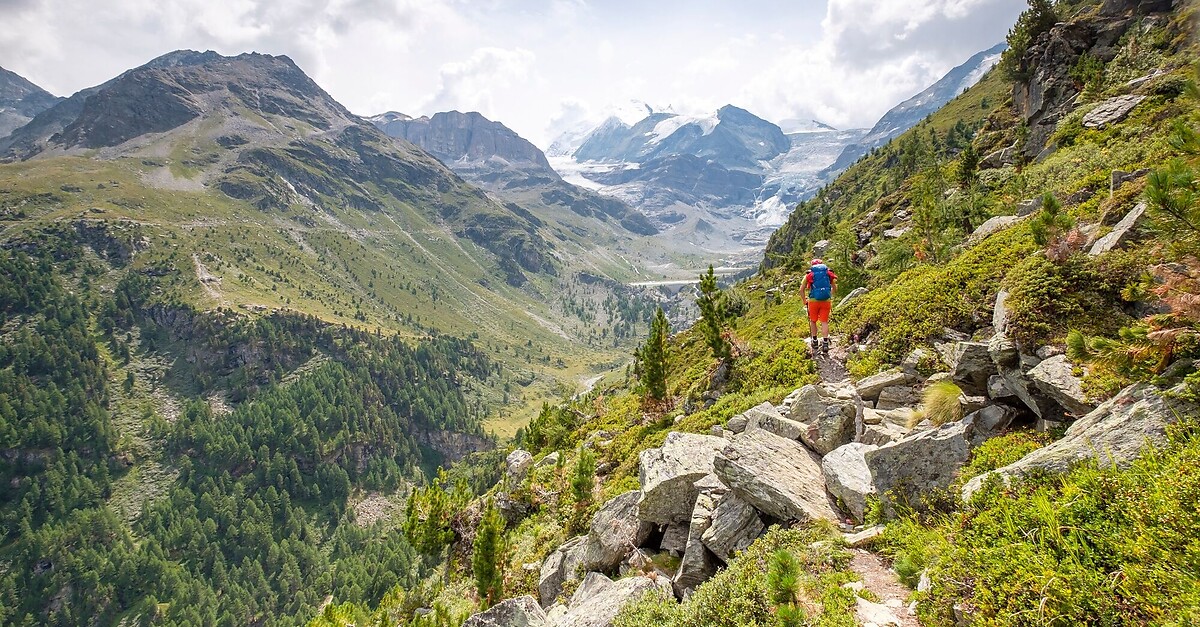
[
  {"x": 738, "y": 423},
  {"x": 998, "y": 159},
  {"x": 862, "y": 538},
  {"x": 562, "y": 565},
  {"x": 599, "y": 599},
  {"x": 1121, "y": 177},
  {"x": 882, "y": 433},
  {"x": 870, "y": 387},
  {"x": 820, "y": 247},
  {"x": 777, "y": 476},
  {"x": 898, "y": 396},
  {"x": 698, "y": 563},
  {"x": 616, "y": 530},
  {"x": 1000, "y": 313},
  {"x": 1027, "y": 207},
  {"x": 1111, "y": 111},
  {"x": 1056, "y": 380},
  {"x": 905, "y": 472},
  {"x": 988, "y": 422},
  {"x": 848, "y": 478},
  {"x": 1120, "y": 233},
  {"x": 970, "y": 364},
  {"x": 519, "y": 612},
  {"x": 667, "y": 475},
  {"x": 991, "y": 226},
  {"x": 1024, "y": 389},
  {"x": 549, "y": 460},
  {"x": 517, "y": 465},
  {"x": 896, "y": 232},
  {"x": 972, "y": 403},
  {"x": 913, "y": 361},
  {"x": 735, "y": 524},
  {"x": 675, "y": 537},
  {"x": 854, "y": 295},
  {"x": 998, "y": 389},
  {"x": 1114, "y": 433},
  {"x": 766, "y": 417},
  {"x": 878, "y": 614},
  {"x": 828, "y": 415},
  {"x": 1003, "y": 351}
]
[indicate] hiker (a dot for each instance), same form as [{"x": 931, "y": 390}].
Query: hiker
[{"x": 819, "y": 286}]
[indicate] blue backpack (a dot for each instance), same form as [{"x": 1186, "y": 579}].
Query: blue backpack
[{"x": 822, "y": 286}]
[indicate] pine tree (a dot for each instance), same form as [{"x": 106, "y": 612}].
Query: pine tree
[
  {"x": 1038, "y": 19},
  {"x": 583, "y": 476},
  {"x": 652, "y": 358},
  {"x": 488, "y": 558},
  {"x": 712, "y": 316}
]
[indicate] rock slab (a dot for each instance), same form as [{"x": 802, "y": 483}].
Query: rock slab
[
  {"x": 519, "y": 612},
  {"x": 777, "y": 476},
  {"x": 667, "y": 475},
  {"x": 848, "y": 478}
]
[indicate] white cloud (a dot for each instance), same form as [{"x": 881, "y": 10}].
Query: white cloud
[{"x": 471, "y": 85}]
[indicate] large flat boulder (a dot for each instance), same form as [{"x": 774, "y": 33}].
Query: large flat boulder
[
  {"x": 870, "y": 387},
  {"x": 1115, "y": 433},
  {"x": 848, "y": 478},
  {"x": 765, "y": 416},
  {"x": 970, "y": 364},
  {"x": 905, "y": 472},
  {"x": 779, "y": 477},
  {"x": 599, "y": 599},
  {"x": 1121, "y": 233},
  {"x": 1111, "y": 111},
  {"x": 735, "y": 524},
  {"x": 519, "y": 612},
  {"x": 898, "y": 396},
  {"x": 990, "y": 227},
  {"x": 1054, "y": 378},
  {"x": 667, "y": 475},
  {"x": 616, "y": 530}
]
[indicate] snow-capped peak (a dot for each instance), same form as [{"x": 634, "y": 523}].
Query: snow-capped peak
[
  {"x": 390, "y": 116},
  {"x": 797, "y": 125},
  {"x": 667, "y": 127}
]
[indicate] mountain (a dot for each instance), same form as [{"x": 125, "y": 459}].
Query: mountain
[
  {"x": 494, "y": 157},
  {"x": 718, "y": 182},
  {"x": 20, "y": 101},
  {"x": 908, "y": 113}
]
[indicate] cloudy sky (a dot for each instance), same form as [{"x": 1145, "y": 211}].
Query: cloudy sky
[{"x": 536, "y": 65}]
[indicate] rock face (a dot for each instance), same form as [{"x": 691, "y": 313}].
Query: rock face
[
  {"x": 667, "y": 475},
  {"x": 1055, "y": 379},
  {"x": 616, "y": 531},
  {"x": 1120, "y": 233},
  {"x": 848, "y": 477},
  {"x": 828, "y": 416},
  {"x": 1111, "y": 111},
  {"x": 735, "y": 524},
  {"x": 1114, "y": 433},
  {"x": 599, "y": 599},
  {"x": 905, "y": 472},
  {"x": 519, "y": 612},
  {"x": 779, "y": 477},
  {"x": 854, "y": 295},
  {"x": 20, "y": 101},
  {"x": 517, "y": 465}
]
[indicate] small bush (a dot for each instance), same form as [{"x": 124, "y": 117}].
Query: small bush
[{"x": 940, "y": 404}]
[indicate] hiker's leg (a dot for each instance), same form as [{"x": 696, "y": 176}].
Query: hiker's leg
[
  {"x": 824, "y": 328},
  {"x": 812, "y": 328},
  {"x": 812, "y": 319}
]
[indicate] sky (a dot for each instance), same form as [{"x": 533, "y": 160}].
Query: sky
[{"x": 538, "y": 66}]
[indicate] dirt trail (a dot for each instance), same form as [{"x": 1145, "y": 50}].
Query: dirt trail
[
  {"x": 832, "y": 367},
  {"x": 892, "y": 607}
]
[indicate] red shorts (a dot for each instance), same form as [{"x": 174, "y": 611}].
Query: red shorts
[{"x": 818, "y": 310}]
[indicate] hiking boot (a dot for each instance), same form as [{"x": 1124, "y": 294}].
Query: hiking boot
[
  {"x": 825, "y": 346},
  {"x": 815, "y": 346}
]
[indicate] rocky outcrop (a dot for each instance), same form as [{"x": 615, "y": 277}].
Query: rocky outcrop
[
  {"x": 970, "y": 364},
  {"x": 898, "y": 397},
  {"x": 616, "y": 530},
  {"x": 1114, "y": 433},
  {"x": 870, "y": 387},
  {"x": 1054, "y": 377},
  {"x": 777, "y": 476},
  {"x": 563, "y": 564},
  {"x": 1121, "y": 233},
  {"x": 905, "y": 472},
  {"x": 698, "y": 563},
  {"x": 519, "y": 612},
  {"x": 735, "y": 524},
  {"x": 1111, "y": 111},
  {"x": 848, "y": 478},
  {"x": 599, "y": 599},
  {"x": 991, "y": 226},
  {"x": 828, "y": 415},
  {"x": 667, "y": 475},
  {"x": 516, "y": 466}
]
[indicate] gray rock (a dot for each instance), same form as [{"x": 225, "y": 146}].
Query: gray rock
[
  {"x": 828, "y": 416},
  {"x": 998, "y": 389},
  {"x": 1121, "y": 177},
  {"x": 766, "y": 417},
  {"x": 599, "y": 599},
  {"x": 854, "y": 295},
  {"x": 912, "y": 361},
  {"x": 878, "y": 614},
  {"x": 896, "y": 232},
  {"x": 1000, "y": 313},
  {"x": 519, "y": 612},
  {"x": 870, "y": 387},
  {"x": 667, "y": 475},
  {"x": 738, "y": 423},
  {"x": 1003, "y": 351},
  {"x": 972, "y": 403},
  {"x": 898, "y": 396},
  {"x": 864, "y": 537},
  {"x": 562, "y": 565},
  {"x": 1111, "y": 111},
  {"x": 970, "y": 364},
  {"x": 884, "y": 433},
  {"x": 616, "y": 530},
  {"x": 549, "y": 460},
  {"x": 1056, "y": 380},
  {"x": 777, "y": 476},
  {"x": 821, "y": 247},
  {"x": 905, "y": 472},
  {"x": 675, "y": 537},
  {"x": 1030, "y": 396},
  {"x": 1121, "y": 232},
  {"x": 1115, "y": 433},
  {"x": 735, "y": 524},
  {"x": 848, "y": 478},
  {"x": 517, "y": 465},
  {"x": 988, "y": 422},
  {"x": 1046, "y": 352},
  {"x": 1027, "y": 207},
  {"x": 698, "y": 564},
  {"x": 991, "y": 226},
  {"x": 998, "y": 159}
]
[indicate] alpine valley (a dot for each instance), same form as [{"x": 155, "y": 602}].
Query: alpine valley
[{"x": 265, "y": 361}]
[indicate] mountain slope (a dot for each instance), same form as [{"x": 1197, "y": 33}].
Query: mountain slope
[
  {"x": 908, "y": 113},
  {"x": 20, "y": 101}
]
